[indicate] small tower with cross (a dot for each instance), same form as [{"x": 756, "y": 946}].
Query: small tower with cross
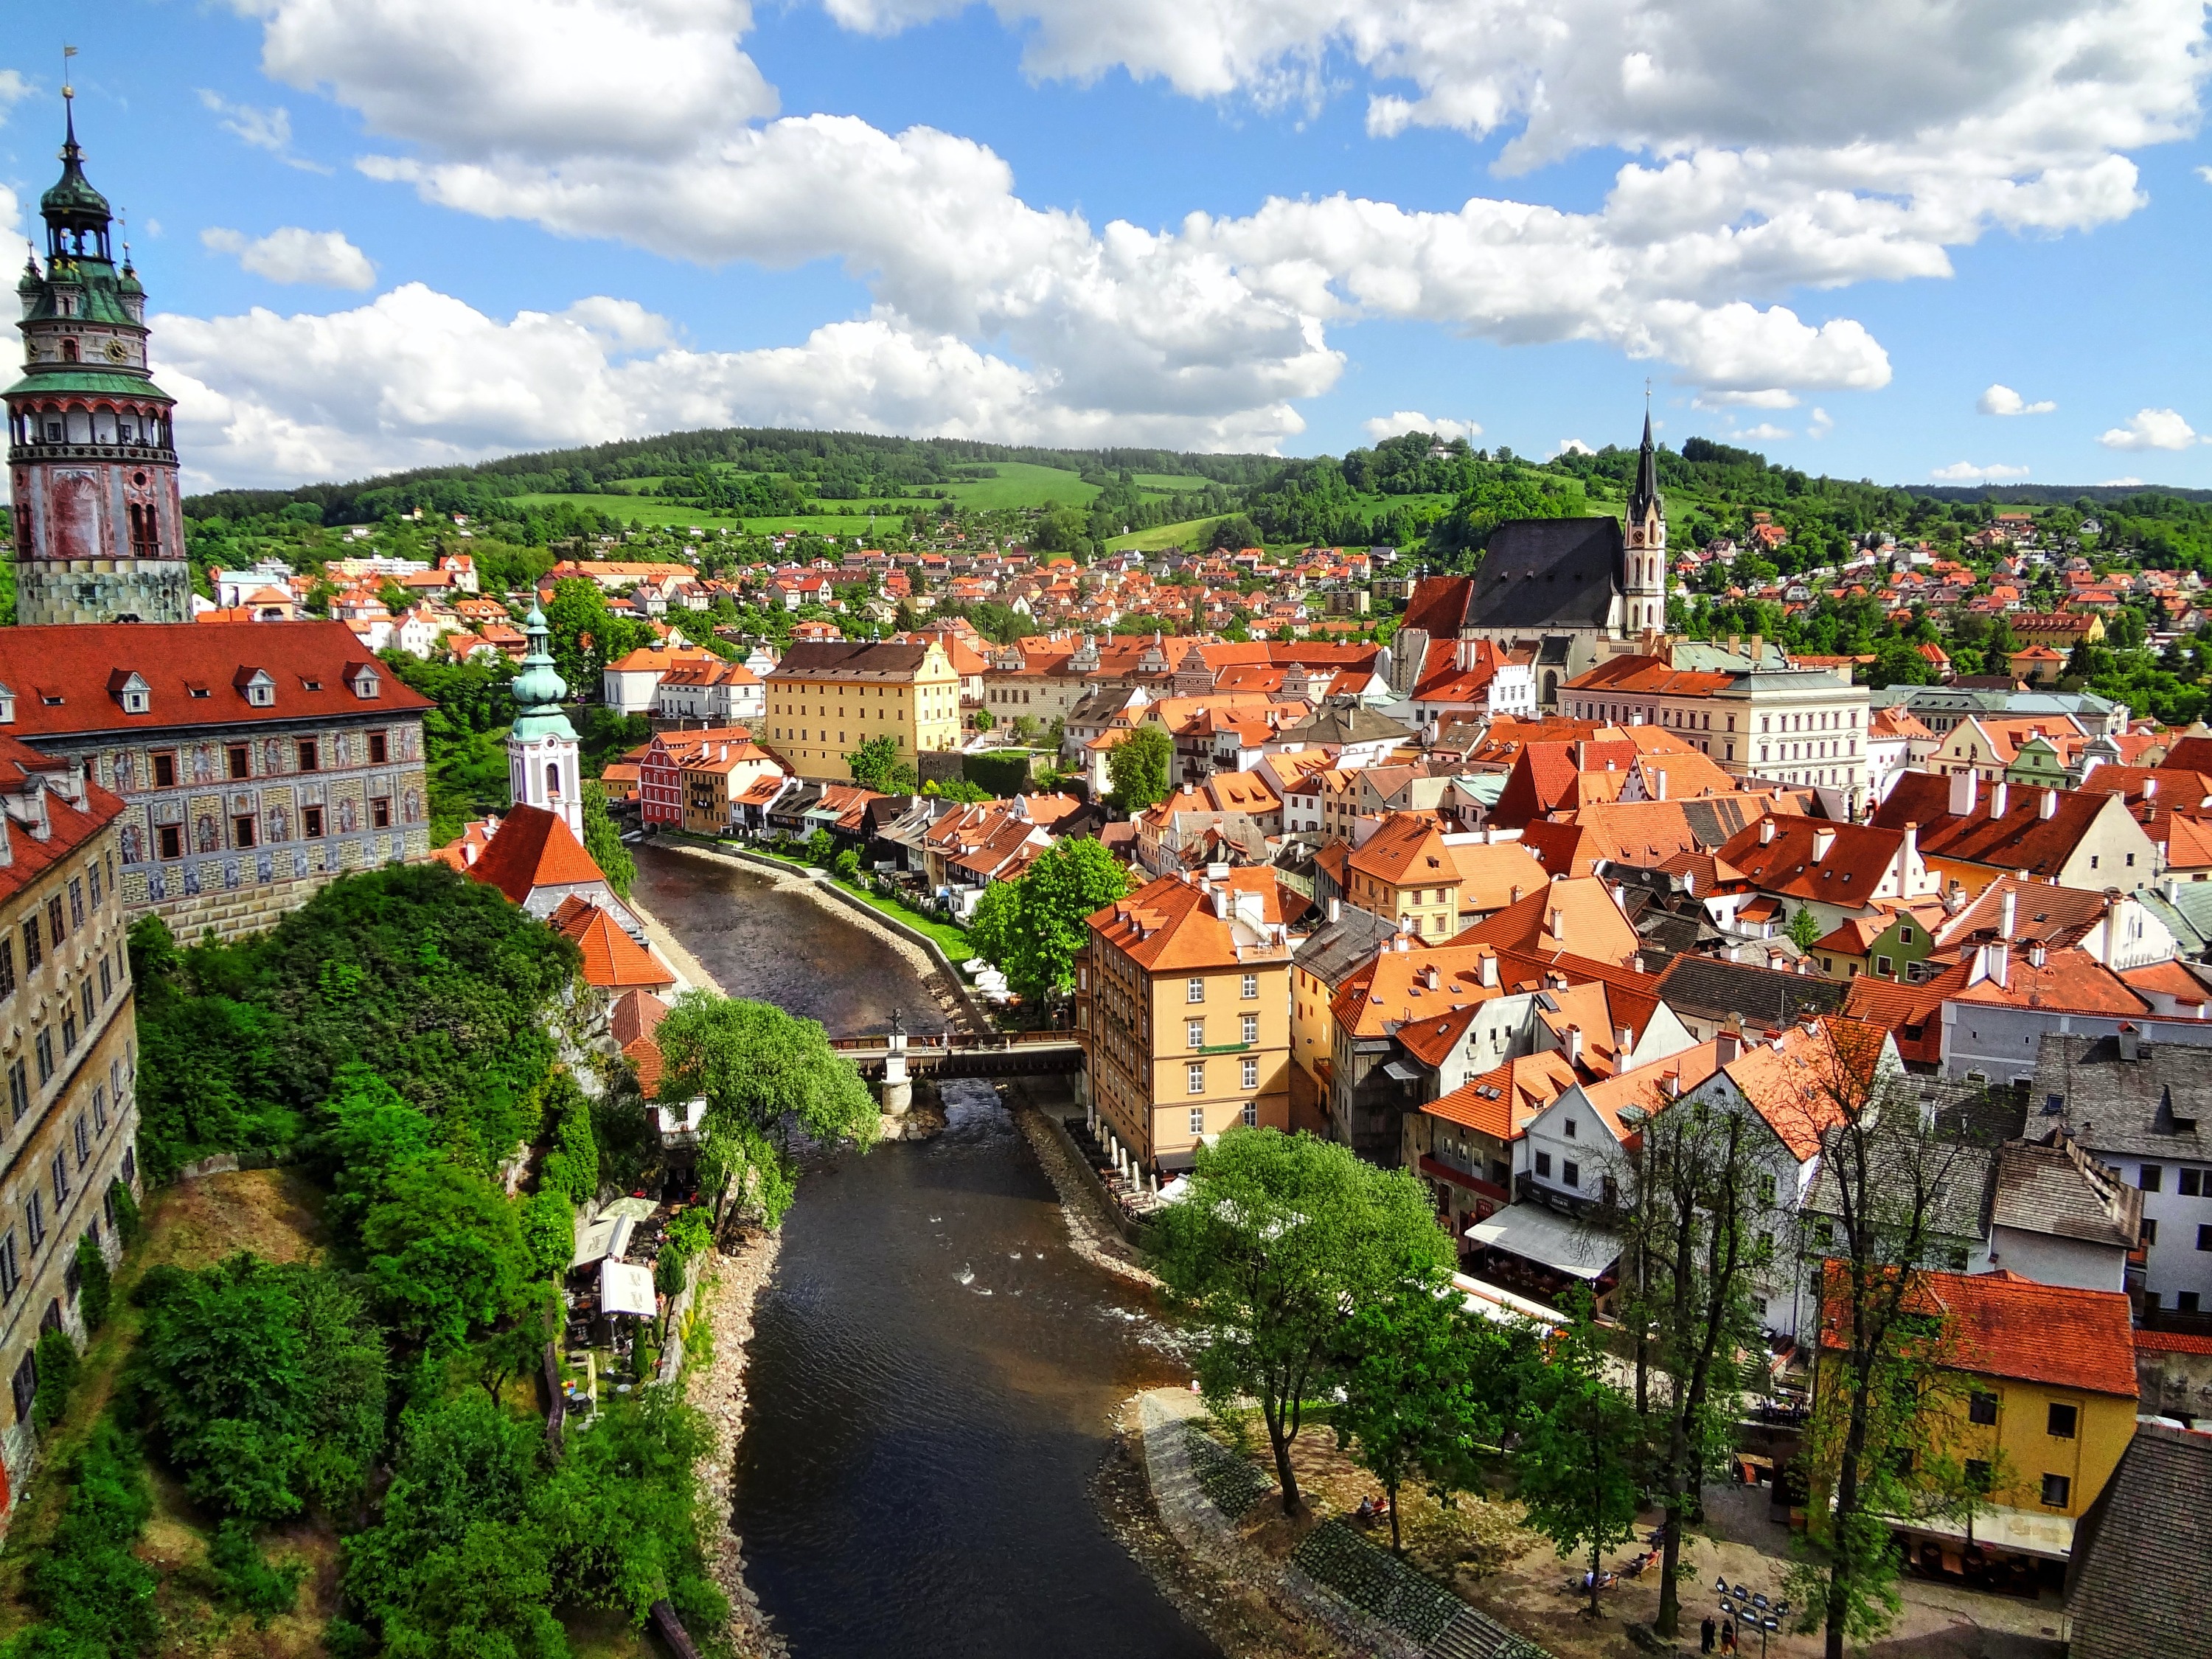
[{"x": 1644, "y": 580}]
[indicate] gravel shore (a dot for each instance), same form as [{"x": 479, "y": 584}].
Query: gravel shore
[{"x": 718, "y": 1390}]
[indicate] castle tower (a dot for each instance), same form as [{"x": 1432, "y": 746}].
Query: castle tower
[
  {"x": 91, "y": 461},
  {"x": 1644, "y": 589},
  {"x": 542, "y": 769}
]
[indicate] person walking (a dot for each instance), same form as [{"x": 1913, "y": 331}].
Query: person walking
[
  {"x": 1727, "y": 1637},
  {"x": 1706, "y": 1634}
]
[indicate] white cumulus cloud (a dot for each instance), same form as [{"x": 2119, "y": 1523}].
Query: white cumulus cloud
[
  {"x": 1573, "y": 447},
  {"x": 1766, "y": 432},
  {"x": 269, "y": 129},
  {"x": 1967, "y": 472},
  {"x": 1412, "y": 420},
  {"x": 323, "y": 259},
  {"x": 2150, "y": 428},
  {"x": 417, "y": 378},
  {"x": 2119, "y": 483},
  {"x": 2001, "y": 400}
]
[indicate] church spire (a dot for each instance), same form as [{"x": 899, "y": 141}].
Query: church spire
[{"x": 1644, "y": 499}]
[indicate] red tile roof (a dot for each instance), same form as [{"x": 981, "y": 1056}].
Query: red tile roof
[
  {"x": 612, "y": 959},
  {"x": 69, "y": 828},
  {"x": 2001, "y": 1325},
  {"x": 69, "y": 679},
  {"x": 532, "y": 848}
]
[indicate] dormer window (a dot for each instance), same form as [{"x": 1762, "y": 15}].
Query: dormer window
[
  {"x": 260, "y": 688},
  {"x": 367, "y": 684},
  {"x": 131, "y": 690}
]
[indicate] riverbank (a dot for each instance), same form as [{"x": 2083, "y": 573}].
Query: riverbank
[
  {"x": 674, "y": 953},
  {"x": 1091, "y": 1233},
  {"x": 732, "y": 1296}
]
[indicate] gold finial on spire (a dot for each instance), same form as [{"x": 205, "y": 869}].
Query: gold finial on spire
[{"x": 68, "y": 53}]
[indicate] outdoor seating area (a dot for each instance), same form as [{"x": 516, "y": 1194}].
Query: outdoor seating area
[{"x": 609, "y": 1301}]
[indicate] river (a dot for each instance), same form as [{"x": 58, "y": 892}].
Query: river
[{"x": 932, "y": 1367}]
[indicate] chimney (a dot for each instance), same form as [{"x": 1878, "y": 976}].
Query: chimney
[
  {"x": 1402, "y": 944},
  {"x": 1727, "y": 1041},
  {"x": 1965, "y": 790},
  {"x": 1516, "y": 899},
  {"x": 1671, "y": 1085},
  {"x": 1430, "y": 979},
  {"x": 1336, "y": 910},
  {"x": 2130, "y": 1042},
  {"x": 2000, "y": 795},
  {"x": 1822, "y": 841},
  {"x": 2038, "y": 953},
  {"x": 2049, "y": 807},
  {"x": 1622, "y": 1039},
  {"x": 1490, "y": 972},
  {"x": 1658, "y": 784},
  {"x": 1766, "y": 831},
  {"x": 1735, "y": 644},
  {"x": 2150, "y": 788},
  {"x": 1552, "y": 921},
  {"x": 1574, "y": 1045},
  {"x": 1753, "y": 645}
]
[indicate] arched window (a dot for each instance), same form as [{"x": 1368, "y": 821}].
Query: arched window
[
  {"x": 68, "y": 351},
  {"x": 552, "y": 779}
]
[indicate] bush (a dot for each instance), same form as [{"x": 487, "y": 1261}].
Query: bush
[
  {"x": 58, "y": 1365},
  {"x": 95, "y": 1597},
  {"x": 241, "y": 1577},
  {"x": 94, "y": 1287},
  {"x": 1004, "y": 772},
  {"x": 548, "y": 1233},
  {"x": 848, "y": 864},
  {"x": 128, "y": 1222}
]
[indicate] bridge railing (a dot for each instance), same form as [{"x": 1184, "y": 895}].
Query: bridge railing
[{"x": 961, "y": 1041}]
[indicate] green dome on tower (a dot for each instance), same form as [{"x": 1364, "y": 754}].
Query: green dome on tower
[{"x": 538, "y": 689}]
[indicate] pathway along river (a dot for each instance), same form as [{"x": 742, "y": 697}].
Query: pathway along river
[{"x": 933, "y": 1364}]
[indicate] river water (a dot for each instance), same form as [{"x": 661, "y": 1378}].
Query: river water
[{"x": 932, "y": 1366}]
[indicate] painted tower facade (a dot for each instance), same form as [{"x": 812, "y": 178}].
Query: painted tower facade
[
  {"x": 1644, "y": 586},
  {"x": 542, "y": 769},
  {"x": 92, "y": 457}
]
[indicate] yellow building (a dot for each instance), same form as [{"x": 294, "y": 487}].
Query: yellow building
[
  {"x": 827, "y": 698},
  {"x": 2042, "y": 1403},
  {"x": 1182, "y": 999},
  {"x": 66, "y": 1050}
]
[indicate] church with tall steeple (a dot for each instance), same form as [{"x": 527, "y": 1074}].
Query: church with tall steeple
[
  {"x": 542, "y": 764},
  {"x": 1559, "y": 594},
  {"x": 92, "y": 456}
]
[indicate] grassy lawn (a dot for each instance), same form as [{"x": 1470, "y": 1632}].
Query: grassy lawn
[
  {"x": 1190, "y": 534},
  {"x": 1021, "y": 483},
  {"x": 1168, "y": 483}
]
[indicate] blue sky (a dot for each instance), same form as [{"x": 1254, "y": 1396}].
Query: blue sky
[{"x": 383, "y": 233}]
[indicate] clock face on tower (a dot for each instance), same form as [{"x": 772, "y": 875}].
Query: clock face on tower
[{"x": 117, "y": 352}]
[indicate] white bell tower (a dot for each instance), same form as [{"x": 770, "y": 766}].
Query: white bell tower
[{"x": 542, "y": 767}]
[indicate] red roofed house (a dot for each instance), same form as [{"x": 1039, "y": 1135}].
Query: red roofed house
[
  {"x": 613, "y": 960},
  {"x": 256, "y": 761},
  {"x": 2044, "y": 1398}
]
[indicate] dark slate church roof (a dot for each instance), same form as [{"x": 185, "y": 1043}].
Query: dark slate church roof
[
  {"x": 1548, "y": 572},
  {"x": 2142, "y": 1571}
]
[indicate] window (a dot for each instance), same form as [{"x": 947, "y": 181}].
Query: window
[
  {"x": 34, "y": 1219},
  {"x": 2150, "y": 1232},
  {"x": 19, "y": 1090},
  {"x": 1904, "y": 933},
  {"x": 1195, "y": 1031},
  {"x": 240, "y": 759},
  {"x": 310, "y": 822},
  {"x": 34, "y": 950},
  {"x": 69, "y": 1030},
  {"x": 106, "y": 982},
  {"x": 76, "y": 902},
  {"x": 311, "y": 758},
  {"x": 94, "y": 875},
  {"x": 2062, "y": 1421},
  {"x": 6, "y": 966},
  {"x": 2056, "y": 1489},
  {"x": 1193, "y": 990},
  {"x": 1197, "y": 1120},
  {"x": 1568, "y": 1128},
  {"x": 1881, "y": 967},
  {"x": 2093, "y": 861},
  {"x": 2185, "y": 1302},
  {"x": 44, "y": 1046},
  {"x": 2149, "y": 1180},
  {"x": 1251, "y": 1074},
  {"x": 169, "y": 840},
  {"x": 1251, "y": 1115},
  {"x": 1981, "y": 1408},
  {"x": 380, "y": 748},
  {"x": 85, "y": 1003},
  {"x": 1571, "y": 1173},
  {"x": 165, "y": 771},
  {"x": 1251, "y": 1028},
  {"x": 2192, "y": 1182},
  {"x": 1196, "y": 1077},
  {"x": 241, "y": 829},
  {"x": 2204, "y": 1239},
  {"x": 379, "y": 812},
  {"x": 1978, "y": 1476},
  {"x": 100, "y": 1109},
  {"x": 59, "y": 1169},
  {"x": 82, "y": 1133},
  {"x": 26, "y": 1385},
  {"x": 1544, "y": 1165},
  {"x": 11, "y": 1274}
]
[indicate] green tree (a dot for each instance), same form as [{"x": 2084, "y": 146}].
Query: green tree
[
  {"x": 604, "y": 841},
  {"x": 1142, "y": 768},
  {"x": 264, "y": 1385},
  {"x": 93, "y": 1284},
  {"x": 756, "y": 1066},
  {"x": 1425, "y": 1383},
  {"x": 1278, "y": 1236},
  {"x": 549, "y": 1232},
  {"x": 1804, "y": 927},
  {"x": 95, "y": 1596},
  {"x": 1576, "y": 1454},
  {"x": 55, "y": 1366},
  {"x": 585, "y": 636},
  {"x": 445, "y": 1252},
  {"x": 1033, "y": 927},
  {"x": 876, "y": 765}
]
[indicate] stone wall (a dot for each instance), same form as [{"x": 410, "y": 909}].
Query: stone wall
[
  {"x": 102, "y": 590},
  {"x": 254, "y": 906}
]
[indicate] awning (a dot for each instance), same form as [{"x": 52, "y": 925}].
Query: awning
[
  {"x": 626, "y": 1288},
  {"x": 2016, "y": 1532},
  {"x": 1548, "y": 1239},
  {"x": 608, "y": 1236},
  {"x": 1403, "y": 1072}
]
